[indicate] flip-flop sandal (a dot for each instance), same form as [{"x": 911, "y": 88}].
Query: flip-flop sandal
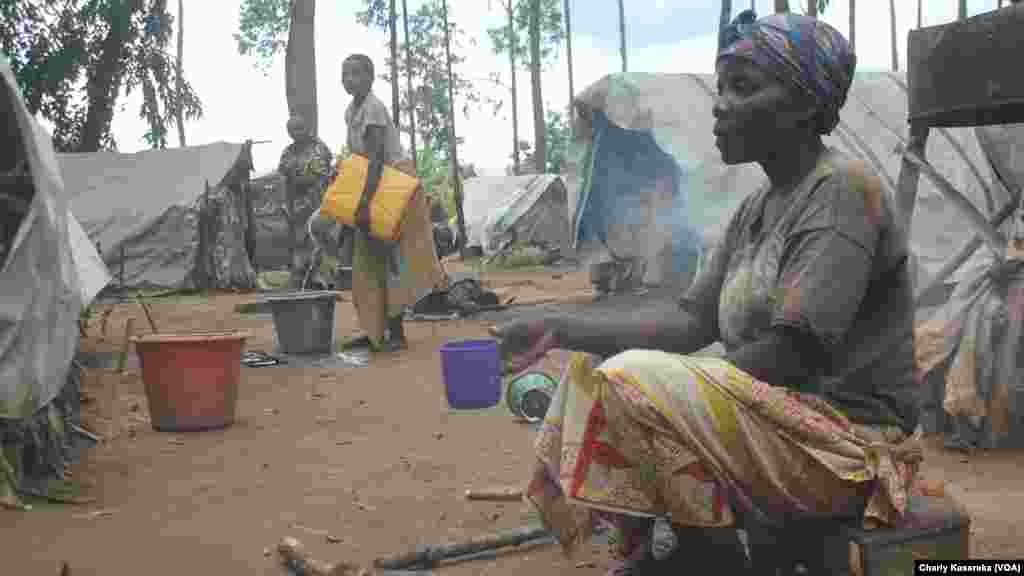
[
  {"x": 256, "y": 359},
  {"x": 357, "y": 342}
]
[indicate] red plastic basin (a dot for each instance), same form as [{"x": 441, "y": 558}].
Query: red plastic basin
[{"x": 191, "y": 379}]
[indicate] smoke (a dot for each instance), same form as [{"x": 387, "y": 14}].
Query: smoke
[{"x": 644, "y": 216}]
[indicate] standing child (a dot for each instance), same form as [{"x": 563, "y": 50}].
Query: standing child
[{"x": 386, "y": 276}]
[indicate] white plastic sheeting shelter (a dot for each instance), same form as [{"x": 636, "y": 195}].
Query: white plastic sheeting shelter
[
  {"x": 48, "y": 276},
  {"x": 532, "y": 209}
]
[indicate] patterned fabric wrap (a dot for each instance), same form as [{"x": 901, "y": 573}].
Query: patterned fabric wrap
[
  {"x": 811, "y": 55},
  {"x": 648, "y": 433}
]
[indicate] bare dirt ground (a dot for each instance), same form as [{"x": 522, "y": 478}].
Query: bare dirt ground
[{"x": 370, "y": 456}]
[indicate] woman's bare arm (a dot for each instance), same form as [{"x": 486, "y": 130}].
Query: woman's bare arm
[{"x": 681, "y": 333}]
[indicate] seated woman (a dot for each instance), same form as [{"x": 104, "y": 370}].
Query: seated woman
[{"x": 812, "y": 411}]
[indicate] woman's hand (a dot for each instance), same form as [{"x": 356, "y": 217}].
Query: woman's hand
[
  {"x": 363, "y": 217},
  {"x": 524, "y": 343}
]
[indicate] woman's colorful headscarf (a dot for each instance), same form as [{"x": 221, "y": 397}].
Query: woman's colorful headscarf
[{"x": 809, "y": 53}]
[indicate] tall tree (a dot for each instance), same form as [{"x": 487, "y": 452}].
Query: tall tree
[
  {"x": 622, "y": 36},
  {"x": 853, "y": 25},
  {"x": 408, "y": 84},
  {"x": 262, "y": 25},
  {"x": 507, "y": 39},
  {"x": 514, "y": 38},
  {"x": 781, "y": 6},
  {"x": 892, "y": 29},
  {"x": 426, "y": 66},
  {"x": 568, "y": 58},
  {"x": 453, "y": 156},
  {"x": 540, "y": 146},
  {"x": 179, "y": 88},
  {"x": 724, "y": 18},
  {"x": 73, "y": 61},
  {"x": 393, "y": 37}
]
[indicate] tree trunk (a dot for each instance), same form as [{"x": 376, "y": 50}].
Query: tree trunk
[
  {"x": 753, "y": 4},
  {"x": 104, "y": 83},
  {"x": 963, "y": 10},
  {"x": 853, "y": 26},
  {"x": 396, "y": 109},
  {"x": 892, "y": 29},
  {"x": 781, "y": 6},
  {"x": 179, "y": 113},
  {"x": 300, "y": 63},
  {"x": 920, "y": 13},
  {"x": 515, "y": 96},
  {"x": 723, "y": 22},
  {"x": 453, "y": 157},
  {"x": 568, "y": 56},
  {"x": 812, "y": 8},
  {"x": 540, "y": 140},
  {"x": 622, "y": 36},
  {"x": 408, "y": 87}
]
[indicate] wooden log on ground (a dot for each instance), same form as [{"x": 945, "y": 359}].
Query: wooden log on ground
[
  {"x": 295, "y": 557},
  {"x": 431, "y": 556},
  {"x": 498, "y": 494}
]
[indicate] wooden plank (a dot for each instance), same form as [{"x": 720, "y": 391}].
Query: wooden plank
[
  {"x": 498, "y": 494},
  {"x": 910, "y": 174}
]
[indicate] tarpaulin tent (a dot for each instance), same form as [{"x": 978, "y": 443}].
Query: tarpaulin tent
[
  {"x": 532, "y": 209},
  {"x": 674, "y": 112},
  {"x": 46, "y": 277},
  {"x": 149, "y": 203}
]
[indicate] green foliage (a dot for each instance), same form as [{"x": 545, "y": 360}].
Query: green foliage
[
  {"x": 72, "y": 61},
  {"x": 559, "y": 137},
  {"x": 558, "y": 133},
  {"x": 262, "y": 29},
  {"x": 551, "y": 31},
  {"x": 429, "y": 69}
]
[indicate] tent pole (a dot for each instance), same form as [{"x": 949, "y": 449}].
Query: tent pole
[{"x": 909, "y": 177}]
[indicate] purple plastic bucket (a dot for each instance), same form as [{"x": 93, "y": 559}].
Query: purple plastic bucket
[{"x": 472, "y": 373}]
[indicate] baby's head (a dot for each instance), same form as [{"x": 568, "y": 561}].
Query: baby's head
[{"x": 357, "y": 74}]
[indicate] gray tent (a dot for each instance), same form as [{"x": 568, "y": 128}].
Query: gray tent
[
  {"x": 532, "y": 209},
  {"x": 47, "y": 275},
  {"x": 149, "y": 203},
  {"x": 675, "y": 110}
]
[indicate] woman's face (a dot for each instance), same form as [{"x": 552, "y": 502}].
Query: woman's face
[
  {"x": 297, "y": 130},
  {"x": 756, "y": 114},
  {"x": 354, "y": 78}
]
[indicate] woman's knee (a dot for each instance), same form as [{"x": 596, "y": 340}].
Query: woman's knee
[{"x": 630, "y": 360}]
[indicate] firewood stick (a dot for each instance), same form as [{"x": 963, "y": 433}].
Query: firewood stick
[
  {"x": 129, "y": 331},
  {"x": 294, "y": 555},
  {"x": 430, "y": 556},
  {"x": 498, "y": 494},
  {"x": 115, "y": 417},
  {"x": 149, "y": 314}
]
